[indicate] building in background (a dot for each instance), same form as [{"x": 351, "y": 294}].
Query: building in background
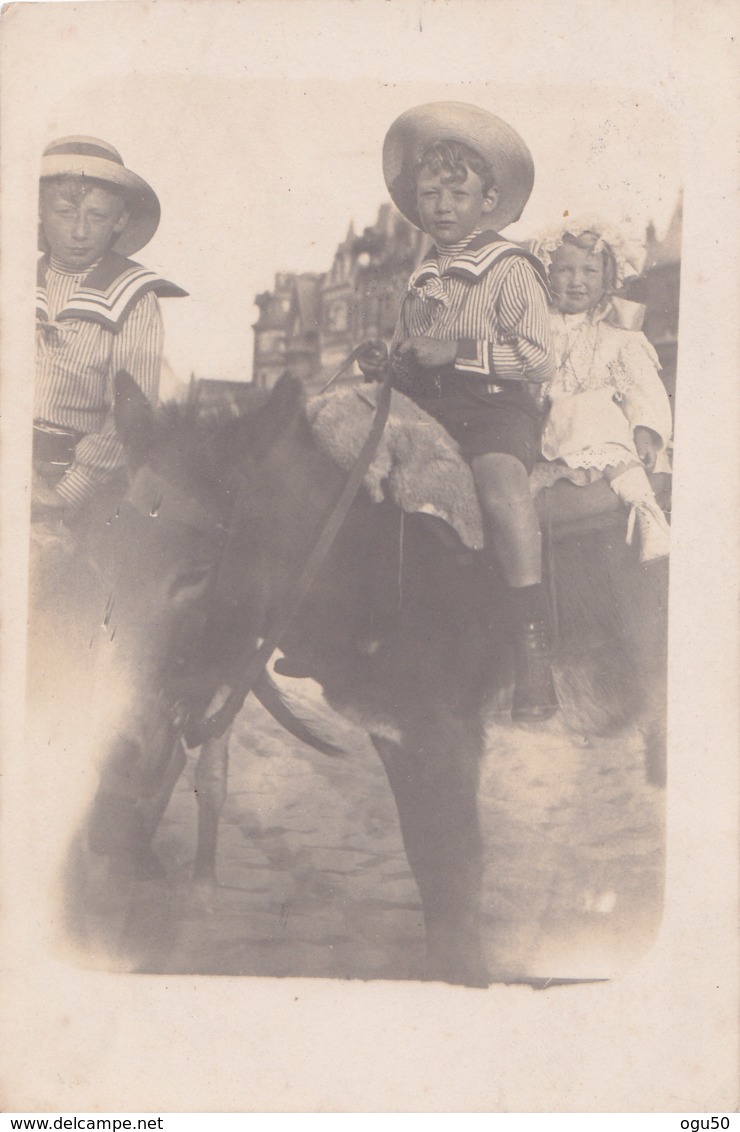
[
  {"x": 286, "y": 334},
  {"x": 309, "y": 323},
  {"x": 659, "y": 289}
]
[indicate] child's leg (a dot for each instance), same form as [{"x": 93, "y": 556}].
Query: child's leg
[
  {"x": 515, "y": 540},
  {"x": 509, "y": 512},
  {"x": 630, "y": 482}
]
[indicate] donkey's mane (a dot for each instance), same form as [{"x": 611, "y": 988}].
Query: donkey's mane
[{"x": 206, "y": 417}]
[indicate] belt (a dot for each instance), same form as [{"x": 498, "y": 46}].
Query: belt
[
  {"x": 54, "y": 446},
  {"x": 437, "y": 384}
]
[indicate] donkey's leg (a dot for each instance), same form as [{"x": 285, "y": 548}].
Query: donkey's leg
[
  {"x": 211, "y": 776},
  {"x": 134, "y": 766},
  {"x": 128, "y": 806},
  {"x": 153, "y": 806},
  {"x": 434, "y": 777},
  {"x": 642, "y": 591}
]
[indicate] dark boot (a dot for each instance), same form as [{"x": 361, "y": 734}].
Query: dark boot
[{"x": 535, "y": 699}]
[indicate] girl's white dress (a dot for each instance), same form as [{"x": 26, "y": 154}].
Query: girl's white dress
[{"x": 606, "y": 383}]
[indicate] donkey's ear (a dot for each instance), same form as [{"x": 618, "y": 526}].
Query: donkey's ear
[
  {"x": 283, "y": 409},
  {"x": 134, "y": 417}
]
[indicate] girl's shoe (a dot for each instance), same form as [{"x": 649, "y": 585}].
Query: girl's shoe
[
  {"x": 633, "y": 488},
  {"x": 653, "y": 529}
]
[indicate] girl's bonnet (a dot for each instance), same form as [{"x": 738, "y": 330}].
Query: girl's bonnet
[{"x": 628, "y": 256}]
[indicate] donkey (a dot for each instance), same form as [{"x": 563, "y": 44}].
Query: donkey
[{"x": 204, "y": 553}]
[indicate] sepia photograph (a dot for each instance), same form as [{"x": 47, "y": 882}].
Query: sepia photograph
[{"x": 370, "y": 533}]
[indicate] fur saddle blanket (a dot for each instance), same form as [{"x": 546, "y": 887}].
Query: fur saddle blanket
[{"x": 418, "y": 465}]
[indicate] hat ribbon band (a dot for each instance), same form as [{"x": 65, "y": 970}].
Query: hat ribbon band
[{"x": 83, "y": 149}]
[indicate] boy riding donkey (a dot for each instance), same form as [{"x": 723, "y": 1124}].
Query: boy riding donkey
[
  {"x": 472, "y": 344},
  {"x": 97, "y": 313}
]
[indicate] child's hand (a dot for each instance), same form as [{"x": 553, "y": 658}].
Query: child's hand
[
  {"x": 372, "y": 358},
  {"x": 44, "y": 500},
  {"x": 648, "y": 445},
  {"x": 429, "y": 353}
]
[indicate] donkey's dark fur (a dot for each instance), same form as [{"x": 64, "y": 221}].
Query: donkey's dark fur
[{"x": 185, "y": 610}]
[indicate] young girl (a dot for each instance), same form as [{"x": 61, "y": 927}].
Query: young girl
[{"x": 609, "y": 411}]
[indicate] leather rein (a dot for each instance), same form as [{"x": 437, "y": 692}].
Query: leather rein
[{"x": 189, "y": 512}]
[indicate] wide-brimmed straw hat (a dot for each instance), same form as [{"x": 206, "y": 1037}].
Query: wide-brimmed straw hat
[
  {"x": 488, "y": 135},
  {"x": 91, "y": 157}
]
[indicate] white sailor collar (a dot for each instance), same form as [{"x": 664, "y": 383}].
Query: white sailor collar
[
  {"x": 476, "y": 258},
  {"x": 107, "y": 293}
]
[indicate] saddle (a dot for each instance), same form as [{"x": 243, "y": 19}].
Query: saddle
[
  {"x": 419, "y": 467},
  {"x": 417, "y": 463}
]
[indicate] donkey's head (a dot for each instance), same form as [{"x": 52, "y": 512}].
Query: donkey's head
[{"x": 194, "y": 559}]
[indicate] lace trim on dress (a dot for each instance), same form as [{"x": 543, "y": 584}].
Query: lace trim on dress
[
  {"x": 600, "y": 456},
  {"x": 587, "y": 356}
]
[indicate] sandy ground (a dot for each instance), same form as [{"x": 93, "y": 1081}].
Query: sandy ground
[{"x": 314, "y": 880}]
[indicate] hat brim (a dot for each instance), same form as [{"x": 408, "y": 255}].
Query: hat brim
[
  {"x": 141, "y": 199},
  {"x": 488, "y": 135}
]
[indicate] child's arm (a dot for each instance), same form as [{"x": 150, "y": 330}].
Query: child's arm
[
  {"x": 648, "y": 445},
  {"x": 519, "y": 346},
  {"x": 137, "y": 349},
  {"x": 516, "y": 322},
  {"x": 645, "y": 402},
  {"x": 429, "y": 353}
]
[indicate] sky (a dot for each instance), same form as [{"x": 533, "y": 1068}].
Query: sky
[
  {"x": 260, "y": 168},
  {"x": 262, "y": 176},
  {"x": 260, "y": 124}
]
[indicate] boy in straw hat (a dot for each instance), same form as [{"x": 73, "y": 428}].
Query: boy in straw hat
[
  {"x": 97, "y": 313},
  {"x": 472, "y": 342}
]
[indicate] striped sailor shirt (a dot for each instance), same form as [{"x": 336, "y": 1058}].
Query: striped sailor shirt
[
  {"x": 492, "y": 298},
  {"x": 90, "y": 325}
]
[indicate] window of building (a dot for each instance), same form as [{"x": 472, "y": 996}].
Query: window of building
[
  {"x": 271, "y": 342},
  {"x": 337, "y": 318}
]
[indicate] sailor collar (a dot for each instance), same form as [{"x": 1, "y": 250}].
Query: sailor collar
[
  {"x": 475, "y": 259},
  {"x": 107, "y": 293}
]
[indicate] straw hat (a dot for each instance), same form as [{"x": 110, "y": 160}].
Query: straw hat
[
  {"x": 497, "y": 142},
  {"x": 91, "y": 157}
]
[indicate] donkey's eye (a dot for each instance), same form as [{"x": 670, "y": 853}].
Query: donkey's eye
[{"x": 190, "y": 583}]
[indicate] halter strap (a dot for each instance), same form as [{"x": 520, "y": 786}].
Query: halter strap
[{"x": 253, "y": 662}]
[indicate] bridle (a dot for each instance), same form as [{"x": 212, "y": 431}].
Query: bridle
[{"x": 151, "y": 495}]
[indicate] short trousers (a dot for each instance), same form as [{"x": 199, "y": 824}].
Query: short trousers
[
  {"x": 508, "y": 421},
  {"x": 53, "y": 449}
]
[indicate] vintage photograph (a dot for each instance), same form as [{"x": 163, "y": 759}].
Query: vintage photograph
[
  {"x": 349, "y": 458},
  {"x": 434, "y": 502}
]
